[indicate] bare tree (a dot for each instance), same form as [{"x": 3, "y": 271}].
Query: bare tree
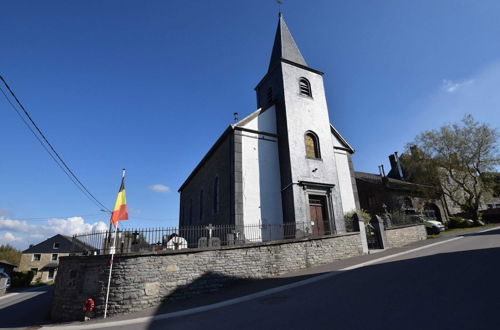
[{"x": 455, "y": 159}]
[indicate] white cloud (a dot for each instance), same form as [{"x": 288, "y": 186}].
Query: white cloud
[
  {"x": 451, "y": 86},
  {"x": 160, "y": 188},
  {"x": 477, "y": 94},
  {"x": 9, "y": 237},
  {"x": 35, "y": 233}
]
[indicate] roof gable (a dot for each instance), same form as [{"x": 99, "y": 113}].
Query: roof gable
[{"x": 341, "y": 142}]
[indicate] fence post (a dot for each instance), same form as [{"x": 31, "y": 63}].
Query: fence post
[
  {"x": 362, "y": 232},
  {"x": 381, "y": 230}
]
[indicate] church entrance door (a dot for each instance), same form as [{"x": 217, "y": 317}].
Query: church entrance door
[{"x": 319, "y": 219}]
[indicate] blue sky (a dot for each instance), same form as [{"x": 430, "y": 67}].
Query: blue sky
[{"x": 149, "y": 86}]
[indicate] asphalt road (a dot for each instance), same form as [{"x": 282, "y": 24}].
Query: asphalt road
[
  {"x": 454, "y": 285},
  {"x": 20, "y": 310}
]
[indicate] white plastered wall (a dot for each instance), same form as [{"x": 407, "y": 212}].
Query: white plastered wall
[
  {"x": 261, "y": 178},
  {"x": 344, "y": 174}
]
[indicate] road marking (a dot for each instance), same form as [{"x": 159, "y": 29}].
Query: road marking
[
  {"x": 243, "y": 298},
  {"x": 8, "y": 295},
  {"x": 400, "y": 254}
]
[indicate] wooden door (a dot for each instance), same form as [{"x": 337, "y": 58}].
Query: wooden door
[{"x": 319, "y": 221}]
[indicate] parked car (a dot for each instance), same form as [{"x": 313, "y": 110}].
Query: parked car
[
  {"x": 433, "y": 227},
  {"x": 4, "y": 275}
]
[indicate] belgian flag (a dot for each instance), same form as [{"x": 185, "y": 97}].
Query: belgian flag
[{"x": 120, "y": 212}]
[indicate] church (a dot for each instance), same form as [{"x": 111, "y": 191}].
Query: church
[{"x": 285, "y": 163}]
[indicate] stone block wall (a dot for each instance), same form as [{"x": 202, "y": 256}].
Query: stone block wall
[
  {"x": 404, "y": 235},
  {"x": 143, "y": 281}
]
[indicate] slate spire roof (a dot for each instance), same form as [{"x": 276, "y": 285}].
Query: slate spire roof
[{"x": 284, "y": 46}]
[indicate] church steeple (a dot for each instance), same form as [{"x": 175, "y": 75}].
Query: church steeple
[{"x": 284, "y": 46}]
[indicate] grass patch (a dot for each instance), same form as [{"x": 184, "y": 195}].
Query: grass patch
[
  {"x": 458, "y": 230},
  {"x": 42, "y": 284}
]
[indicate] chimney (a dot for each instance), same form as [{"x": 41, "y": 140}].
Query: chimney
[
  {"x": 381, "y": 170},
  {"x": 400, "y": 170}
]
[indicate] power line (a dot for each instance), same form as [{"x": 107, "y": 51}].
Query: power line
[{"x": 52, "y": 152}]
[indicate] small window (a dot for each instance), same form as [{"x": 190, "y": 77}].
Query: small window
[
  {"x": 37, "y": 257},
  {"x": 407, "y": 203},
  {"x": 34, "y": 270},
  {"x": 56, "y": 245},
  {"x": 305, "y": 87},
  {"x": 312, "y": 146},
  {"x": 216, "y": 195},
  {"x": 54, "y": 257},
  {"x": 201, "y": 205},
  {"x": 269, "y": 95}
]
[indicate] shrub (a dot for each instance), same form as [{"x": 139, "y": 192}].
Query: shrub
[
  {"x": 459, "y": 222},
  {"x": 20, "y": 279}
]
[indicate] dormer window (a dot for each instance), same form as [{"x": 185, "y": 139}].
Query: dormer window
[
  {"x": 305, "y": 87},
  {"x": 56, "y": 245}
]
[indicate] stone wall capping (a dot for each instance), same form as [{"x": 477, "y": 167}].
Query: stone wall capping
[
  {"x": 403, "y": 226},
  {"x": 235, "y": 247}
]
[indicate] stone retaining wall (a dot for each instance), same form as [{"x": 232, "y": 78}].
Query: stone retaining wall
[
  {"x": 143, "y": 281},
  {"x": 404, "y": 235}
]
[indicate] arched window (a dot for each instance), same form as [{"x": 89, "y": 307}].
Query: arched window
[
  {"x": 407, "y": 203},
  {"x": 305, "y": 87},
  {"x": 312, "y": 145},
  {"x": 216, "y": 195}
]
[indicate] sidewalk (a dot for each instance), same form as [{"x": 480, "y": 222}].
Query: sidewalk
[{"x": 248, "y": 287}]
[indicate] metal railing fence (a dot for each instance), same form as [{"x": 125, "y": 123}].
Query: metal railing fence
[{"x": 147, "y": 240}]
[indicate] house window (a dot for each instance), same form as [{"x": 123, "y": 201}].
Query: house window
[
  {"x": 54, "y": 257},
  {"x": 56, "y": 245},
  {"x": 37, "y": 257},
  {"x": 34, "y": 270},
  {"x": 305, "y": 87},
  {"x": 50, "y": 276},
  {"x": 312, "y": 145},
  {"x": 201, "y": 205},
  {"x": 216, "y": 195},
  {"x": 407, "y": 203}
]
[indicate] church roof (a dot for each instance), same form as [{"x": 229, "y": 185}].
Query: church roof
[
  {"x": 284, "y": 46},
  {"x": 341, "y": 139}
]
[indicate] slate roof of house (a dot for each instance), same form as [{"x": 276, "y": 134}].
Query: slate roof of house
[
  {"x": 390, "y": 182},
  {"x": 47, "y": 246}
]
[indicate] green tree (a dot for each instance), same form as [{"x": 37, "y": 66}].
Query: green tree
[
  {"x": 10, "y": 254},
  {"x": 455, "y": 159}
]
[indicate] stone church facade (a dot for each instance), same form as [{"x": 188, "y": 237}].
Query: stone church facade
[{"x": 283, "y": 163}]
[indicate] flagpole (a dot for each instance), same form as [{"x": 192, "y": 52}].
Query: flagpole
[{"x": 112, "y": 250}]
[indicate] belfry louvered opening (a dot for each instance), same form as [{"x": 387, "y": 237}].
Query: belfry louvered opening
[{"x": 305, "y": 87}]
